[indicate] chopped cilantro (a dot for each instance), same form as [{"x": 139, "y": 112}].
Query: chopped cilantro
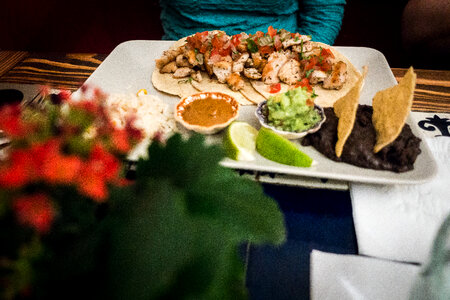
[
  {"x": 308, "y": 73},
  {"x": 314, "y": 95},
  {"x": 186, "y": 80},
  {"x": 251, "y": 45},
  {"x": 301, "y": 50}
]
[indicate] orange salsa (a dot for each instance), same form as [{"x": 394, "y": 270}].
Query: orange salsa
[{"x": 208, "y": 111}]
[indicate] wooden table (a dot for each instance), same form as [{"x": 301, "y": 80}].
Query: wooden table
[
  {"x": 316, "y": 218},
  {"x": 69, "y": 71}
]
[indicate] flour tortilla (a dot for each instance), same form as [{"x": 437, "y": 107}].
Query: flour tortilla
[
  {"x": 183, "y": 87},
  {"x": 250, "y": 93},
  {"x": 212, "y": 85},
  {"x": 325, "y": 97},
  {"x": 264, "y": 89},
  {"x": 254, "y": 91},
  {"x": 165, "y": 82}
]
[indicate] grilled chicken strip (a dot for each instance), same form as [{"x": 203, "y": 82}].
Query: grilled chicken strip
[
  {"x": 169, "y": 68},
  {"x": 258, "y": 61},
  {"x": 197, "y": 76},
  {"x": 317, "y": 76},
  {"x": 191, "y": 56},
  {"x": 182, "y": 61},
  {"x": 290, "y": 72},
  {"x": 235, "y": 81},
  {"x": 238, "y": 64},
  {"x": 222, "y": 70},
  {"x": 306, "y": 47},
  {"x": 337, "y": 77},
  {"x": 207, "y": 64},
  {"x": 182, "y": 72},
  {"x": 168, "y": 56},
  {"x": 275, "y": 62},
  {"x": 312, "y": 51},
  {"x": 295, "y": 41},
  {"x": 252, "y": 73}
]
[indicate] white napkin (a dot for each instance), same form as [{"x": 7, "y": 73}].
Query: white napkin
[
  {"x": 336, "y": 276},
  {"x": 399, "y": 222}
]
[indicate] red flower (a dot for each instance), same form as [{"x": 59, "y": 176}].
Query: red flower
[
  {"x": 10, "y": 121},
  {"x": 134, "y": 133},
  {"x": 19, "y": 171},
  {"x": 36, "y": 211},
  {"x": 120, "y": 140},
  {"x": 101, "y": 167},
  {"x": 61, "y": 169},
  {"x": 51, "y": 165},
  {"x": 61, "y": 97}
]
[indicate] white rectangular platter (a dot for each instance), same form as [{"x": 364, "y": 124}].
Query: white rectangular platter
[{"x": 129, "y": 67}]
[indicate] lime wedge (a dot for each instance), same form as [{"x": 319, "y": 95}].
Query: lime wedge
[
  {"x": 239, "y": 141},
  {"x": 279, "y": 149}
]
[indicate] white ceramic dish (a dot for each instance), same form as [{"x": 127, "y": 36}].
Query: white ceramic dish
[
  {"x": 130, "y": 65},
  {"x": 181, "y": 106},
  {"x": 291, "y": 135}
]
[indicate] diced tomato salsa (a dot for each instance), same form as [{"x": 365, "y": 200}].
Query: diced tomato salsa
[
  {"x": 236, "y": 39},
  {"x": 271, "y": 31},
  {"x": 304, "y": 83},
  {"x": 197, "y": 41},
  {"x": 275, "y": 88}
]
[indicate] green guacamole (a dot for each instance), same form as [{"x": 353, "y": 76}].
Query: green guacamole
[{"x": 289, "y": 111}]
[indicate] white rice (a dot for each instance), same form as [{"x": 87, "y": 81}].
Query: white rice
[{"x": 152, "y": 115}]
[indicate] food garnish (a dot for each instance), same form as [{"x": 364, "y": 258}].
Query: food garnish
[
  {"x": 391, "y": 107},
  {"x": 239, "y": 141},
  {"x": 141, "y": 92},
  {"x": 150, "y": 114},
  {"x": 207, "y": 112},
  {"x": 379, "y": 127},
  {"x": 292, "y": 111},
  {"x": 345, "y": 109},
  {"x": 399, "y": 156},
  {"x": 266, "y": 62},
  {"x": 279, "y": 149}
]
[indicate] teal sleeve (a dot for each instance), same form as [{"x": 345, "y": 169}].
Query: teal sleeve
[{"x": 322, "y": 19}]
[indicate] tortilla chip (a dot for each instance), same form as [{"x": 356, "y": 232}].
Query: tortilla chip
[
  {"x": 345, "y": 109},
  {"x": 391, "y": 107}
]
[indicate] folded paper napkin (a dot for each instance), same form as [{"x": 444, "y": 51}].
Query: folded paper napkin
[
  {"x": 336, "y": 276},
  {"x": 399, "y": 222}
]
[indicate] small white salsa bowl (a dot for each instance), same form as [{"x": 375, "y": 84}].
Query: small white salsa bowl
[
  {"x": 207, "y": 112},
  {"x": 291, "y": 135}
]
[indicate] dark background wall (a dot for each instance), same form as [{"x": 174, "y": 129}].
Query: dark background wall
[{"x": 99, "y": 26}]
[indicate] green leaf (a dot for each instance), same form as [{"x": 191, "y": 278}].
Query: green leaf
[
  {"x": 251, "y": 45},
  {"x": 151, "y": 240},
  {"x": 215, "y": 192},
  {"x": 178, "y": 237},
  {"x": 309, "y": 72}
]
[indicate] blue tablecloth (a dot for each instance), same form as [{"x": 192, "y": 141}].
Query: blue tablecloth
[{"x": 315, "y": 219}]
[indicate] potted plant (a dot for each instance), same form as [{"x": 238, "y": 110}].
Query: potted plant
[{"x": 73, "y": 226}]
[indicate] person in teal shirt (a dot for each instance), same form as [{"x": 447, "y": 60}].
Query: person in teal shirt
[{"x": 321, "y": 19}]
